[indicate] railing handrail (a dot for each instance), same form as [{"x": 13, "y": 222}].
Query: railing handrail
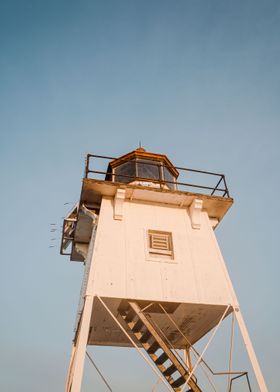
[
  {"x": 220, "y": 177},
  {"x": 129, "y": 159}
]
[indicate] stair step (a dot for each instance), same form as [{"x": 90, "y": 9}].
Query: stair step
[
  {"x": 161, "y": 359},
  {"x": 177, "y": 383},
  {"x": 170, "y": 370},
  {"x": 158, "y": 348},
  {"x": 137, "y": 326},
  {"x": 153, "y": 357},
  {"x": 153, "y": 348},
  {"x": 169, "y": 379},
  {"x": 146, "y": 336}
]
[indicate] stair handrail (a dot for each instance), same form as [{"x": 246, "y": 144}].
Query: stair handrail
[{"x": 164, "y": 337}]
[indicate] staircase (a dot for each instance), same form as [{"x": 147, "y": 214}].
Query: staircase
[{"x": 174, "y": 370}]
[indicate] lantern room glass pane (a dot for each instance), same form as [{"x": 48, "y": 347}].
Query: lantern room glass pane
[
  {"x": 148, "y": 169},
  {"x": 126, "y": 169},
  {"x": 143, "y": 169},
  {"x": 168, "y": 177}
]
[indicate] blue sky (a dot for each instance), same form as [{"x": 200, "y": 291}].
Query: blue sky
[{"x": 198, "y": 80}]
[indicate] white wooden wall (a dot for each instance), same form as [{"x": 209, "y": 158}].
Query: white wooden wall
[{"x": 122, "y": 267}]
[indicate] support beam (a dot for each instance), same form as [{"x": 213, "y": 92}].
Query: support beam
[
  {"x": 70, "y": 368},
  {"x": 188, "y": 358},
  {"x": 76, "y": 367},
  {"x": 250, "y": 351},
  {"x": 231, "y": 350},
  {"x": 75, "y": 376}
]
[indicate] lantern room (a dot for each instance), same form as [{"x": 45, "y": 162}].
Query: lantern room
[{"x": 140, "y": 167}]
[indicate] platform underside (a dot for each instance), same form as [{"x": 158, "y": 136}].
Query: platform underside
[{"x": 193, "y": 320}]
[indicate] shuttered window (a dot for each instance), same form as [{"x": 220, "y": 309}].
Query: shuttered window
[{"x": 160, "y": 243}]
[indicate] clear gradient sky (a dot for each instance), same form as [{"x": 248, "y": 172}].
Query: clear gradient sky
[{"x": 196, "y": 79}]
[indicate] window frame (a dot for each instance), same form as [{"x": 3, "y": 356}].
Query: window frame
[{"x": 157, "y": 163}]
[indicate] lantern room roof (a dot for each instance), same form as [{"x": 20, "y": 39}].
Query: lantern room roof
[{"x": 143, "y": 154}]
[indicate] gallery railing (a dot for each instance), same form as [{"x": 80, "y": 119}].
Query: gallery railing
[{"x": 190, "y": 180}]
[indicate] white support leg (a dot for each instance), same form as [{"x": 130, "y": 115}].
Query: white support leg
[
  {"x": 251, "y": 352},
  {"x": 76, "y": 366},
  {"x": 75, "y": 375},
  {"x": 70, "y": 368}
]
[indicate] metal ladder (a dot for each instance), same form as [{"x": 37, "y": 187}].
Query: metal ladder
[{"x": 174, "y": 371}]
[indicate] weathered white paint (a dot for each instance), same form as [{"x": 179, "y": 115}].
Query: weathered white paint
[{"x": 123, "y": 269}]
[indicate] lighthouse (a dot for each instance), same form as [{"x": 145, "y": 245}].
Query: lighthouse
[{"x": 154, "y": 276}]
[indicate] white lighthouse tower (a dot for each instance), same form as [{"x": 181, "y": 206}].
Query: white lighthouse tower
[{"x": 154, "y": 276}]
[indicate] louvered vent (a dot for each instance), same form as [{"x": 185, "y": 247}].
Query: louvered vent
[{"x": 160, "y": 242}]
